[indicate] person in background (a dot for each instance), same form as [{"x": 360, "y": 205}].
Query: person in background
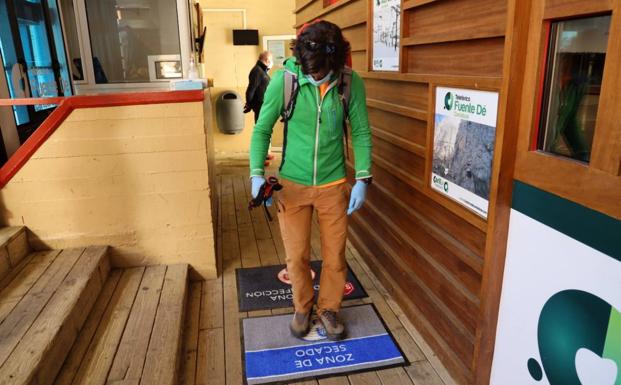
[
  {"x": 258, "y": 80},
  {"x": 313, "y": 172}
]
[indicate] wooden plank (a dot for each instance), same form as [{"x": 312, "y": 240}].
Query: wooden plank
[
  {"x": 397, "y": 109},
  {"x": 428, "y": 25},
  {"x": 409, "y": 4},
  {"x": 24, "y": 279},
  {"x": 560, "y": 9},
  {"x": 481, "y": 57},
  {"x": 129, "y": 361},
  {"x": 267, "y": 252},
  {"x": 259, "y": 220},
  {"x": 24, "y": 314},
  {"x": 330, "y": 13},
  {"x": 426, "y": 353},
  {"x": 162, "y": 361},
  {"x": 365, "y": 378},
  {"x": 277, "y": 238},
  {"x": 399, "y": 126},
  {"x": 413, "y": 312},
  {"x": 43, "y": 348},
  {"x": 9, "y": 233},
  {"x": 78, "y": 351},
  {"x": 231, "y": 260},
  {"x": 212, "y": 306},
  {"x": 192, "y": 326},
  {"x": 5, "y": 263},
  {"x": 422, "y": 373},
  {"x": 468, "y": 81},
  {"x": 435, "y": 309},
  {"x": 56, "y": 334},
  {"x": 241, "y": 201},
  {"x": 394, "y": 376},
  {"x": 211, "y": 368},
  {"x": 18, "y": 247},
  {"x": 339, "y": 380},
  {"x": 103, "y": 347},
  {"x": 398, "y": 155},
  {"x": 400, "y": 93}
]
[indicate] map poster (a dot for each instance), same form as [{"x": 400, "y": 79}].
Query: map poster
[
  {"x": 386, "y": 34},
  {"x": 463, "y": 146}
]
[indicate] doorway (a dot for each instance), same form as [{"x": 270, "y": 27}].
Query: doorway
[{"x": 35, "y": 62}]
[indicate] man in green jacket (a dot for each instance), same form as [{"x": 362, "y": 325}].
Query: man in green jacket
[{"x": 313, "y": 167}]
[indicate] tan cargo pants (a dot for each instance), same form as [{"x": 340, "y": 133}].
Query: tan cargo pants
[{"x": 295, "y": 212}]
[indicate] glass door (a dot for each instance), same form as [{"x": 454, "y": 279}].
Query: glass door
[{"x": 32, "y": 48}]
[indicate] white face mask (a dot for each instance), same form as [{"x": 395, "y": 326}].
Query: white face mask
[
  {"x": 317, "y": 83},
  {"x": 269, "y": 64}
]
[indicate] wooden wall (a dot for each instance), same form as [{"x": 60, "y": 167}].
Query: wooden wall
[
  {"x": 428, "y": 250},
  {"x": 136, "y": 178}
]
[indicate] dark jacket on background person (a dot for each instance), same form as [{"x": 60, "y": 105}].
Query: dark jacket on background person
[{"x": 258, "y": 79}]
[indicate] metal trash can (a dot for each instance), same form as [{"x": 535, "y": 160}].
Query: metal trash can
[{"x": 230, "y": 113}]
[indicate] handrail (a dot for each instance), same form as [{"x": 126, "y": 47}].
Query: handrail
[{"x": 67, "y": 104}]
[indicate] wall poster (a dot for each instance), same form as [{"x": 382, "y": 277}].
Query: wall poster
[
  {"x": 386, "y": 34},
  {"x": 463, "y": 146}
]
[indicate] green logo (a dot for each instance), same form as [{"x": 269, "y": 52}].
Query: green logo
[
  {"x": 448, "y": 101},
  {"x": 579, "y": 336},
  {"x": 446, "y": 187}
]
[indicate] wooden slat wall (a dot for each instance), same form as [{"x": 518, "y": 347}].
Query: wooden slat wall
[{"x": 429, "y": 247}]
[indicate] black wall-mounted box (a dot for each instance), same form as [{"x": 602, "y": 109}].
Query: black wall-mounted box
[{"x": 245, "y": 37}]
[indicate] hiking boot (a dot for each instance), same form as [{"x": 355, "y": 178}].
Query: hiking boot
[
  {"x": 335, "y": 330},
  {"x": 300, "y": 324}
]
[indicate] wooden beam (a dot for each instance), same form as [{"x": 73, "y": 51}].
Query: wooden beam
[
  {"x": 475, "y": 82},
  {"x": 409, "y": 4},
  {"x": 502, "y": 184}
]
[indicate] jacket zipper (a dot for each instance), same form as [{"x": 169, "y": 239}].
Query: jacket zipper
[{"x": 319, "y": 104}]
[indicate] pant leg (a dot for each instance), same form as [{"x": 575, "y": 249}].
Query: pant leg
[
  {"x": 295, "y": 212},
  {"x": 331, "y": 205}
]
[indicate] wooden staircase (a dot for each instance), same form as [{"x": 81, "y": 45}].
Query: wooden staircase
[{"x": 67, "y": 318}]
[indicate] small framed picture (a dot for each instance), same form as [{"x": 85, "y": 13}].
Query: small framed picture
[{"x": 164, "y": 67}]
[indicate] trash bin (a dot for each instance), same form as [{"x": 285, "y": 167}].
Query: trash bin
[{"x": 230, "y": 112}]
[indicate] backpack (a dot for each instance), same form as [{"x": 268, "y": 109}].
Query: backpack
[{"x": 291, "y": 88}]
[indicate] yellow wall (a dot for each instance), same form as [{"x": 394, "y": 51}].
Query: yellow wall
[
  {"x": 228, "y": 65},
  {"x": 134, "y": 177}
]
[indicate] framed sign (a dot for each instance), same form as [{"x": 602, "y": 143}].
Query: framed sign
[
  {"x": 463, "y": 146},
  {"x": 386, "y": 34},
  {"x": 164, "y": 67}
]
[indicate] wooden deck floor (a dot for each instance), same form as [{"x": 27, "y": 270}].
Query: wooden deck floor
[{"x": 212, "y": 352}]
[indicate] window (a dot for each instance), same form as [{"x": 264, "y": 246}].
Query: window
[
  {"x": 127, "y": 34},
  {"x": 73, "y": 42},
  {"x": 575, "y": 66}
]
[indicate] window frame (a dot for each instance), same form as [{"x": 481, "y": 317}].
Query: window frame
[{"x": 89, "y": 85}]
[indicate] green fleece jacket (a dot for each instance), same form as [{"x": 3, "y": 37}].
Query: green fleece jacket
[{"x": 314, "y": 153}]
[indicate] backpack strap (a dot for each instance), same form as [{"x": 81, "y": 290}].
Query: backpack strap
[
  {"x": 344, "y": 89},
  {"x": 290, "y": 94},
  {"x": 290, "y": 90}
]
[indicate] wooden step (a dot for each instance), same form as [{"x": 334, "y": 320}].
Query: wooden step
[
  {"x": 13, "y": 248},
  {"x": 133, "y": 335},
  {"x": 42, "y": 308}
]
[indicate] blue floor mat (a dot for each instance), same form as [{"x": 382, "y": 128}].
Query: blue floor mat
[{"x": 272, "y": 355}]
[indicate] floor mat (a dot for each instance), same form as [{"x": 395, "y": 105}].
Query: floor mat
[
  {"x": 268, "y": 287},
  {"x": 271, "y": 354}
]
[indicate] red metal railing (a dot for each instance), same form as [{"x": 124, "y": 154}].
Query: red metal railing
[{"x": 67, "y": 105}]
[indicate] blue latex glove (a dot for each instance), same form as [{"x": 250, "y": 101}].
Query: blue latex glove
[
  {"x": 358, "y": 194},
  {"x": 255, "y": 183}
]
